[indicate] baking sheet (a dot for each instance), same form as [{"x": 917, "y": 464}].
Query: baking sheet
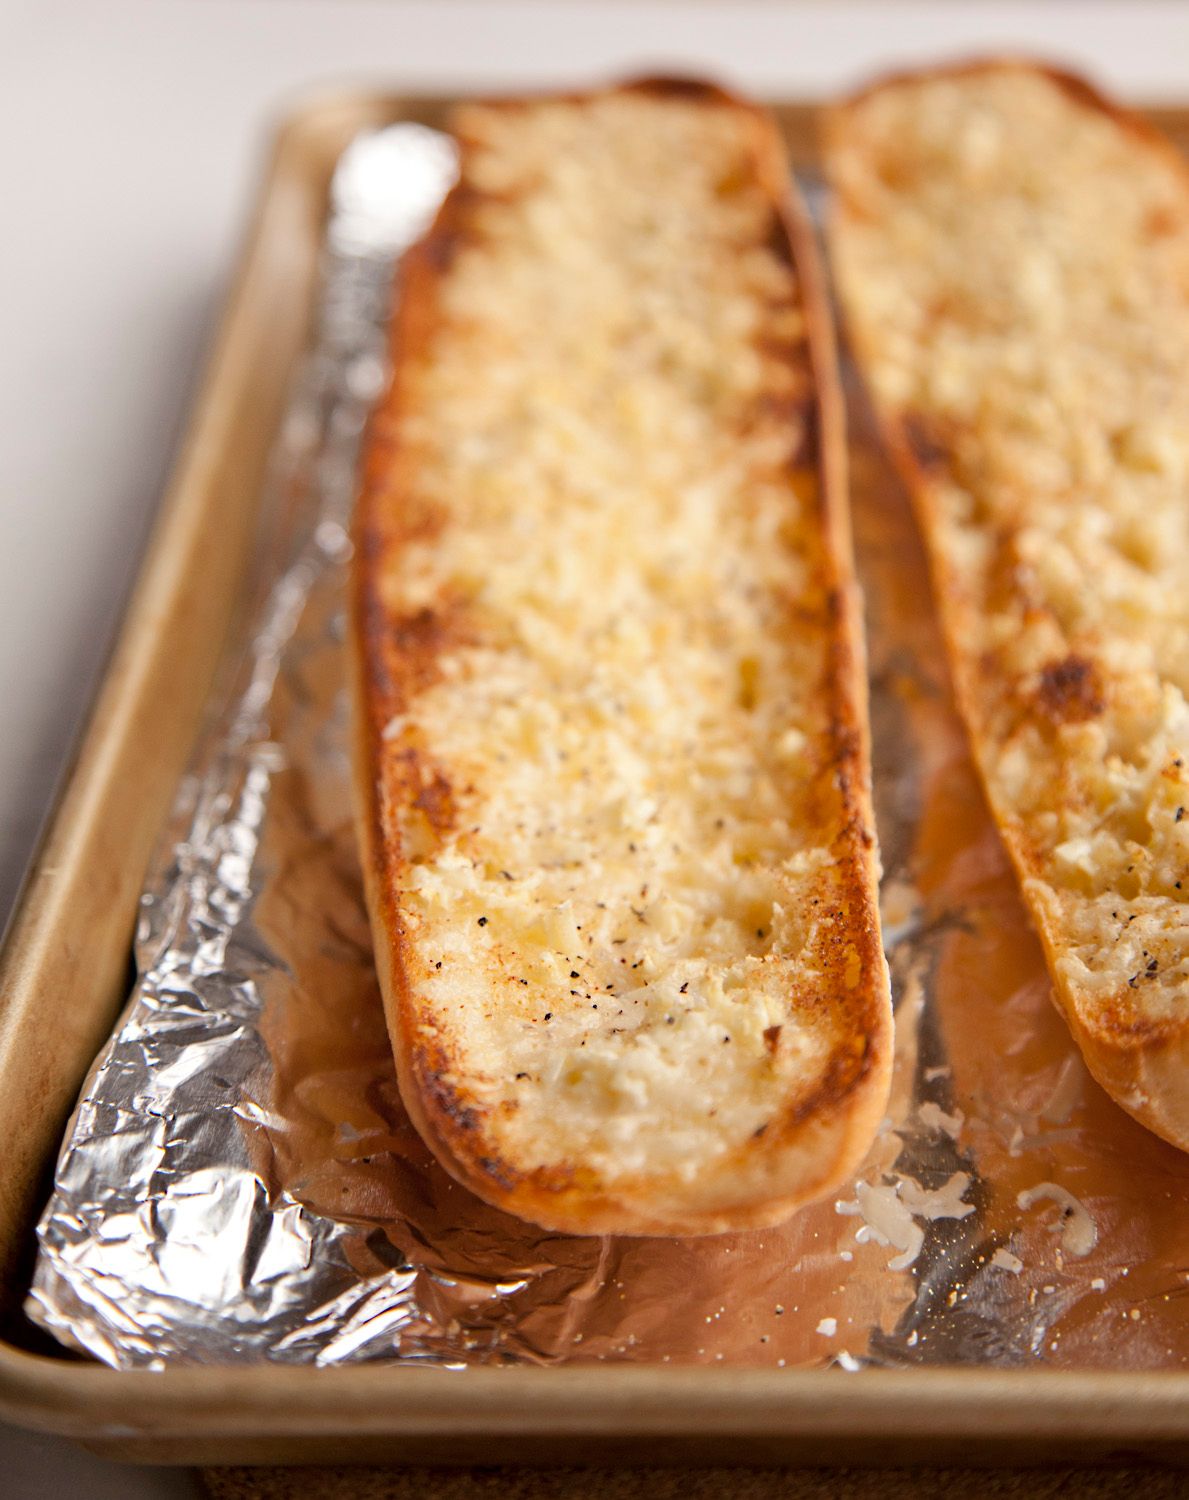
[{"x": 240, "y": 1182}]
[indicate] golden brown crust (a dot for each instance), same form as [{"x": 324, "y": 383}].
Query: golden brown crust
[
  {"x": 819, "y": 1137},
  {"x": 1138, "y": 1052}
]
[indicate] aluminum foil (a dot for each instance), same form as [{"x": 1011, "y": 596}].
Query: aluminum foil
[{"x": 240, "y": 1181}]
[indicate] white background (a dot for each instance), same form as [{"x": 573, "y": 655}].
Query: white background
[{"x": 131, "y": 136}]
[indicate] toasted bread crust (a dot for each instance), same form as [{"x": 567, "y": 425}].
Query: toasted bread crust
[
  {"x": 1075, "y": 709},
  {"x": 821, "y": 1129}
]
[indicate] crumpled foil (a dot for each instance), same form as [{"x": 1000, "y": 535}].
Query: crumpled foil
[{"x": 241, "y": 1183}]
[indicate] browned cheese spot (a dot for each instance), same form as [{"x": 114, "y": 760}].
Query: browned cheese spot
[
  {"x": 1069, "y": 691},
  {"x": 929, "y": 453}
]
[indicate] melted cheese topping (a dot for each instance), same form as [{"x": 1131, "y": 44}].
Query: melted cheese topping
[
  {"x": 626, "y": 930},
  {"x": 1016, "y": 269}
]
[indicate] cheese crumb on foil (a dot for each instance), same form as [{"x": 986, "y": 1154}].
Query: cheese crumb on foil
[
  {"x": 889, "y": 1213},
  {"x": 1076, "y": 1227}
]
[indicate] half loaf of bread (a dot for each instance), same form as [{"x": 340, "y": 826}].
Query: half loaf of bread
[
  {"x": 1013, "y": 258},
  {"x": 612, "y": 761}
]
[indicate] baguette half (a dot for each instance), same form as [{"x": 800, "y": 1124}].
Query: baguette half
[
  {"x": 1012, "y": 253},
  {"x": 611, "y": 744}
]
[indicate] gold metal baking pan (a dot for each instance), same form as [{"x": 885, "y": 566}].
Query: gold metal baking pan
[{"x": 63, "y": 977}]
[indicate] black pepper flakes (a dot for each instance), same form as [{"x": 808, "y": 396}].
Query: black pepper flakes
[{"x": 482, "y": 921}]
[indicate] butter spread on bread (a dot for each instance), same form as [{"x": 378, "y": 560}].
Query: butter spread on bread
[
  {"x": 1013, "y": 258},
  {"x": 612, "y": 763}
]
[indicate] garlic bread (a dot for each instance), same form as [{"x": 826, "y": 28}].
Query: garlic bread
[
  {"x": 612, "y": 763},
  {"x": 1012, "y": 255}
]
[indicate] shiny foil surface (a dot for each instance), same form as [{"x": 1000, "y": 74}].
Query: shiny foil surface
[{"x": 240, "y": 1182}]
